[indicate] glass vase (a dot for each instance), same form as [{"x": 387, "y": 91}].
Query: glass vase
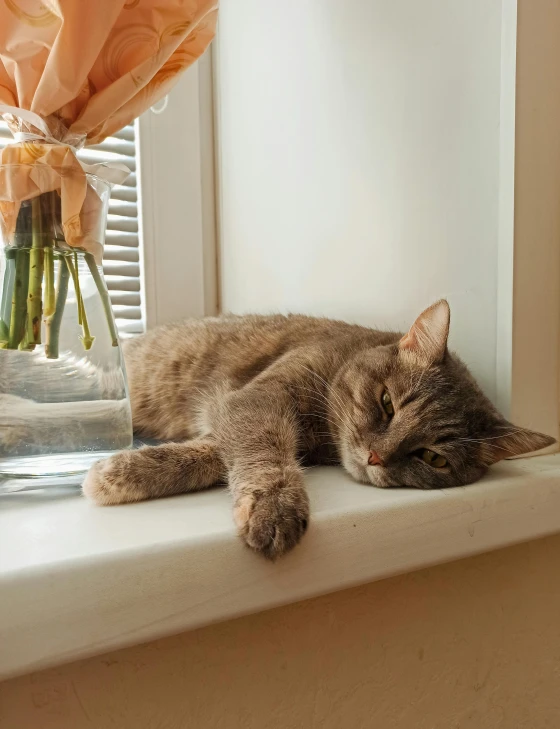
[{"x": 63, "y": 392}]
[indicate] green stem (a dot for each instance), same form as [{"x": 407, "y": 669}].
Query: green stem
[
  {"x": 50, "y": 303},
  {"x": 74, "y": 273},
  {"x": 4, "y": 334},
  {"x": 27, "y": 344},
  {"x": 7, "y": 292},
  {"x": 105, "y": 300},
  {"x": 35, "y": 298},
  {"x": 86, "y": 337},
  {"x": 19, "y": 299},
  {"x": 54, "y": 322}
]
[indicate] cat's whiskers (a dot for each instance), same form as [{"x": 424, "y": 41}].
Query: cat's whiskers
[
  {"x": 493, "y": 437},
  {"x": 338, "y": 406},
  {"x": 328, "y": 387},
  {"x": 328, "y": 434},
  {"x": 335, "y": 428},
  {"x": 324, "y": 417},
  {"x": 320, "y": 398}
]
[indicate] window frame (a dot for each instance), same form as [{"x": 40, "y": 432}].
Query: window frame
[
  {"x": 177, "y": 200},
  {"x": 528, "y": 323}
]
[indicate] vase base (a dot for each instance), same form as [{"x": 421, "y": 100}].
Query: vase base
[{"x": 31, "y": 472}]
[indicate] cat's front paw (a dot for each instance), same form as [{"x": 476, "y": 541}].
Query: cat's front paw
[
  {"x": 109, "y": 481},
  {"x": 272, "y": 520}
]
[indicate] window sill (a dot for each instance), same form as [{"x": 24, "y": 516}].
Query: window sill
[{"x": 77, "y": 580}]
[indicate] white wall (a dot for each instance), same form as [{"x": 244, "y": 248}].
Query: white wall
[{"x": 360, "y": 161}]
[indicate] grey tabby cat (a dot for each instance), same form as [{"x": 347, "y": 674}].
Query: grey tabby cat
[{"x": 251, "y": 400}]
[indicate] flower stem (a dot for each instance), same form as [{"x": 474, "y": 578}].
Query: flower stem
[
  {"x": 6, "y": 303},
  {"x": 19, "y": 299},
  {"x": 54, "y": 322},
  {"x": 4, "y": 334},
  {"x": 86, "y": 337},
  {"x": 49, "y": 302},
  {"x": 35, "y": 298},
  {"x": 105, "y": 300},
  {"x": 27, "y": 344},
  {"x": 74, "y": 273}
]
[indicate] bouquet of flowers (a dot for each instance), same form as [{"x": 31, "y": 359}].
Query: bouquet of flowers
[{"x": 72, "y": 72}]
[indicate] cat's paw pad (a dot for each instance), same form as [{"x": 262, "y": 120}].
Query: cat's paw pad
[
  {"x": 272, "y": 521},
  {"x": 106, "y": 482}
]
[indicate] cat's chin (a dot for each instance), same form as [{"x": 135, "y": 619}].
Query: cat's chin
[
  {"x": 357, "y": 472},
  {"x": 376, "y": 478},
  {"x": 363, "y": 474}
]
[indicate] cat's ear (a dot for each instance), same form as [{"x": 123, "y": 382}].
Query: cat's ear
[
  {"x": 505, "y": 440},
  {"x": 427, "y": 337}
]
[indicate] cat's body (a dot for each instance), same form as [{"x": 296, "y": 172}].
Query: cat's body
[
  {"x": 176, "y": 372},
  {"x": 249, "y": 400}
]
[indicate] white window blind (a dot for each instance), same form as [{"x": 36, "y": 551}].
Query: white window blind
[{"x": 122, "y": 258}]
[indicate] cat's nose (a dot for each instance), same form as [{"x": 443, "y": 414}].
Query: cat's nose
[{"x": 374, "y": 459}]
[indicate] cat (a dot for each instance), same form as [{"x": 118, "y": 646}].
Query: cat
[{"x": 249, "y": 401}]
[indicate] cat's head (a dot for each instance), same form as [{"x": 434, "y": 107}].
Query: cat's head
[{"x": 410, "y": 414}]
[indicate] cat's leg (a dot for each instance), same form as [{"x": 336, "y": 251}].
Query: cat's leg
[
  {"x": 257, "y": 435},
  {"x": 154, "y": 471}
]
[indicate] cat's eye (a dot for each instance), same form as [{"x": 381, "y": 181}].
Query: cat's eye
[
  {"x": 432, "y": 459},
  {"x": 387, "y": 403}
]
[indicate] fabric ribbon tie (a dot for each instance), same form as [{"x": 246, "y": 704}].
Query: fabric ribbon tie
[{"x": 39, "y": 162}]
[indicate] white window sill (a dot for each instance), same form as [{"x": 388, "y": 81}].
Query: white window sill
[{"x": 78, "y": 580}]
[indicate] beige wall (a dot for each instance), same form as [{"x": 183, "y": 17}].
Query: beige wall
[{"x": 469, "y": 645}]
